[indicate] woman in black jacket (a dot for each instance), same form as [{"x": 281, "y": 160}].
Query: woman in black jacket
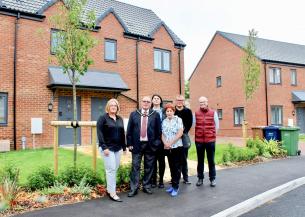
[{"x": 111, "y": 135}]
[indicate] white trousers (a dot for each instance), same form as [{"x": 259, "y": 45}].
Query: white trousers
[{"x": 111, "y": 163}]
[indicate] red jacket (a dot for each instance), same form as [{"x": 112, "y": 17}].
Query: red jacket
[{"x": 205, "y": 130}]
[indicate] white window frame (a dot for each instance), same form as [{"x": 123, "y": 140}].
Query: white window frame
[
  {"x": 106, "y": 55},
  {"x": 275, "y": 75},
  {"x": 162, "y": 60},
  {"x": 276, "y": 115},
  {"x": 5, "y": 109}
]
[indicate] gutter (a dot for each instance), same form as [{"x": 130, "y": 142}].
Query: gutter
[
  {"x": 179, "y": 62},
  {"x": 14, "y": 80},
  {"x": 266, "y": 93},
  {"x": 137, "y": 69},
  {"x": 20, "y": 14}
]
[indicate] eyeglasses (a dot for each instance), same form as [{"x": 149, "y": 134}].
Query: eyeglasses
[
  {"x": 145, "y": 101},
  {"x": 179, "y": 100}
]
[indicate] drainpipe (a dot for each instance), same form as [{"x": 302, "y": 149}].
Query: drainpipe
[
  {"x": 137, "y": 69},
  {"x": 14, "y": 79},
  {"x": 266, "y": 92},
  {"x": 179, "y": 62}
]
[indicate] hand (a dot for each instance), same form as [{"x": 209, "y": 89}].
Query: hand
[
  {"x": 130, "y": 148},
  {"x": 106, "y": 152}
]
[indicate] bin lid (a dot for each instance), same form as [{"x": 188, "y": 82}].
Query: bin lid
[
  {"x": 290, "y": 128},
  {"x": 272, "y": 127},
  {"x": 258, "y": 127}
]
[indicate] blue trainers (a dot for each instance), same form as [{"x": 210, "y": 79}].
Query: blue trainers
[
  {"x": 169, "y": 190},
  {"x": 175, "y": 192}
]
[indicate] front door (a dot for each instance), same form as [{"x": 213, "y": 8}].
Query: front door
[
  {"x": 98, "y": 106},
  {"x": 65, "y": 113},
  {"x": 301, "y": 119}
]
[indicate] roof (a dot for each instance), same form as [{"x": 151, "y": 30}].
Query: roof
[
  {"x": 298, "y": 96},
  {"x": 135, "y": 20},
  {"x": 270, "y": 50},
  {"x": 96, "y": 80}
]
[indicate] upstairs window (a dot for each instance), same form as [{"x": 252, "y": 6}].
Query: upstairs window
[
  {"x": 275, "y": 76},
  {"x": 55, "y": 40},
  {"x": 110, "y": 53},
  {"x": 277, "y": 115},
  {"x": 293, "y": 76},
  {"x": 218, "y": 81},
  {"x": 162, "y": 60},
  {"x": 238, "y": 116},
  {"x": 3, "y": 108}
]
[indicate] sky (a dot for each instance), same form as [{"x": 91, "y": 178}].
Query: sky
[{"x": 196, "y": 21}]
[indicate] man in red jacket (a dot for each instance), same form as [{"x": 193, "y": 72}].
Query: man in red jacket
[{"x": 207, "y": 124}]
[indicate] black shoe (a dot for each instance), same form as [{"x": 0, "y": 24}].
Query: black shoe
[
  {"x": 199, "y": 182},
  {"x": 213, "y": 183},
  {"x": 187, "y": 182},
  {"x": 161, "y": 185},
  {"x": 153, "y": 185},
  {"x": 114, "y": 198},
  {"x": 147, "y": 191},
  {"x": 132, "y": 193}
]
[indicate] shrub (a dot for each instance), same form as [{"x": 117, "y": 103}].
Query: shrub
[
  {"x": 236, "y": 154},
  {"x": 83, "y": 188},
  {"x": 275, "y": 148},
  {"x": 123, "y": 174},
  {"x": 267, "y": 148},
  {"x": 42, "y": 178},
  {"x": 74, "y": 175},
  {"x": 57, "y": 188},
  {"x": 9, "y": 191},
  {"x": 10, "y": 172}
]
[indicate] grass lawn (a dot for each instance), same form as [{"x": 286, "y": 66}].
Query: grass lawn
[
  {"x": 218, "y": 155},
  {"x": 29, "y": 161},
  {"x": 302, "y": 137}
]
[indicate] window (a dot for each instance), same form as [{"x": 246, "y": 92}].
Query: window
[
  {"x": 162, "y": 60},
  {"x": 238, "y": 116},
  {"x": 3, "y": 108},
  {"x": 276, "y": 115},
  {"x": 293, "y": 75},
  {"x": 55, "y": 40},
  {"x": 275, "y": 76},
  {"x": 218, "y": 81},
  {"x": 219, "y": 113},
  {"x": 110, "y": 50}
]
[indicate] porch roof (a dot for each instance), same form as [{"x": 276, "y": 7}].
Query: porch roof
[
  {"x": 92, "y": 80},
  {"x": 298, "y": 96}
]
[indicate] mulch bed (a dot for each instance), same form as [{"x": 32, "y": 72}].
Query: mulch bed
[{"x": 30, "y": 201}]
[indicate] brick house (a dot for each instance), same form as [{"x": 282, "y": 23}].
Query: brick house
[
  {"x": 280, "y": 96},
  {"x": 137, "y": 55}
]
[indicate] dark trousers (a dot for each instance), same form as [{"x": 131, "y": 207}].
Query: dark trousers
[
  {"x": 175, "y": 156},
  {"x": 209, "y": 147},
  {"x": 160, "y": 159},
  {"x": 149, "y": 158},
  {"x": 184, "y": 164}
]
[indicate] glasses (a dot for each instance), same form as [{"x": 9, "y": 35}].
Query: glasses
[
  {"x": 179, "y": 100},
  {"x": 145, "y": 101}
]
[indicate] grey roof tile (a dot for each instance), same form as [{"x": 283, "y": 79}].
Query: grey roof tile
[
  {"x": 298, "y": 96},
  {"x": 135, "y": 20},
  {"x": 271, "y": 50}
]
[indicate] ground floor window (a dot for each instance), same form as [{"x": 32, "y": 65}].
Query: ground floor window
[
  {"x": 3, "y": 108},
  {"x": 219, "y": 113},
  {"x": 276, "y": 115},
  {"x": 238, "y": 116}
]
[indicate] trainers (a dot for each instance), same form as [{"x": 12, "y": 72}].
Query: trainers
[
  {"x": 187, "y": 182},
  {"x": 175, "y": 192},
  {"x": 169, "y": 190},
  {"x": 199, "y": 182},
  {"x": 213, "y": 183}
]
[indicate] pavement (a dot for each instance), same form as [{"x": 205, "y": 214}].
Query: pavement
[{"x": 234, "y": 186}]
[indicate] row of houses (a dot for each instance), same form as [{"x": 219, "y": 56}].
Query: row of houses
[{"x": 137, "y": 55}]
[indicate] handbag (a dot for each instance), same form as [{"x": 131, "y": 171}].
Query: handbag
[{"x": 186, "y": 141}]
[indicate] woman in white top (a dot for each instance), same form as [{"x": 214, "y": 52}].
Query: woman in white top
[{"x": 172, "y": 130}]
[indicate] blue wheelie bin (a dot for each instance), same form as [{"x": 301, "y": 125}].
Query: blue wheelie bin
[{"x": 272, "y": 132}]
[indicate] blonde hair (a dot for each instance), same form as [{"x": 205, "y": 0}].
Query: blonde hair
[{"x": 107, "y": 108}]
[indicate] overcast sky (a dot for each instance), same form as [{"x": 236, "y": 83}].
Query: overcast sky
[{"x": 196, "y": 21}]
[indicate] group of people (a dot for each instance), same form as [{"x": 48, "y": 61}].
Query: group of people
[{"x": 155, "y": 131}]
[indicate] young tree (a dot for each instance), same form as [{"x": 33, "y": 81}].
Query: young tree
[
  {"x": 75, "y": 42},
  {"x": 251, "y": 71},
  {"x": 187, "y": 89}
]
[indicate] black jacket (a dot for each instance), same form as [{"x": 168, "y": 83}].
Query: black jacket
[
  {"x": 187, "y": 118},
  {"x": 153, "y": 131},
  {"x": 111, "y": 134}
]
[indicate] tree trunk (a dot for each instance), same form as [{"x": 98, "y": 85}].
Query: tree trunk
[
  {"x": 74, "y": 118},
  {"x": 245, "y": 128}
]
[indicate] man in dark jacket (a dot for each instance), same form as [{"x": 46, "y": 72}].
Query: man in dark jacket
[
  {"x": 207, "y": 124},
  {"x": 187, "y": 118},
  {"x": 143, "y": 139}
]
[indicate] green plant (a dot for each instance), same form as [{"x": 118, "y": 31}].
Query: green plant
[
  {"x": 57, "y": 188},
  {"x": 123, "y": 174},
  {"x": 10, "y": 172},
  {"x": 83, "y": 188},
  {"x": 73, "y": 176},
  {"x": 9, "y": 191},
  {"x": 236, "y": 154},
  {"x": 42, "y": 178},
  {"x": 275, "y": 148}
]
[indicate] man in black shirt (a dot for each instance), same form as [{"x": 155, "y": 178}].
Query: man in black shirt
[{"x": 187, "y": 118}]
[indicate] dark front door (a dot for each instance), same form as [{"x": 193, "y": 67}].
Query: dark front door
[
  {"x": 65, "y": 113},
  {"x": 301, "y": 119},
  {"x": 98, "y": 106}
]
